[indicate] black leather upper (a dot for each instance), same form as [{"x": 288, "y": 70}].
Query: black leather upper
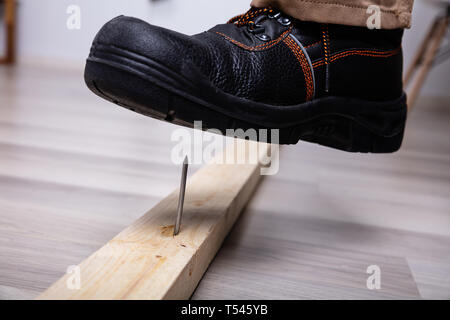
[{"x": 274, "y": 61}]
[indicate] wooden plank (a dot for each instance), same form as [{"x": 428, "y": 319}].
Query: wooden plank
[{"x": 145, "y": 261}]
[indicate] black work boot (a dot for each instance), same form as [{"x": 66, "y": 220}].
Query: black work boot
[{"x": 334, "y": 85}]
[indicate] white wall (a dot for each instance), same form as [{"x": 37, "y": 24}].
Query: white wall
[
  {"x": 43, "y": 35},
  {"x": 43, "y": 32}
]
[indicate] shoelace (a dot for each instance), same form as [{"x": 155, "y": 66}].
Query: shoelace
[
  {"x": 246, "y": 18},
  {"x": 253, "y": 18}
]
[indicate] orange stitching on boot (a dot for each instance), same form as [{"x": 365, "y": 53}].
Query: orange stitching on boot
[
  {"x": 307, "y": 72},
  {"x": 359, "y": 52},
  {"x": 258, "y": 47},
  {"x": 318, "y": 63},
  {"x": 306, "y": 69},
  {"x": 370, "y": 53},
  {"x": 325, "y": 39}
]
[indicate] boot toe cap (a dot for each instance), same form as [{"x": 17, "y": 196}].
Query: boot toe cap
[{"x": 143, "y": 39}]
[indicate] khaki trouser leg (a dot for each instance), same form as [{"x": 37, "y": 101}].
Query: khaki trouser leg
[{"x": 393, "y": 13}]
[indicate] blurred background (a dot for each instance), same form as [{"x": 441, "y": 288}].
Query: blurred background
[{"x": 75, "y": 170}]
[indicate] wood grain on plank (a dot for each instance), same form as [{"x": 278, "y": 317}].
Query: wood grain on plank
[{"x": 145, "y": 261}]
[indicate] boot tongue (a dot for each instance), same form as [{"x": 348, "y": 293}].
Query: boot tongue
[{"x": 251, "y": 14}]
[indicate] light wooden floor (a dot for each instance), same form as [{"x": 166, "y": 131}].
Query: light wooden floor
[{"x": 75, "y": 170}]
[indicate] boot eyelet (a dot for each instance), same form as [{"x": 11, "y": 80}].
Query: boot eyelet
[
  {"x": 284, "y": 21},
  {"x": 263, "y": 37},
  {"x": 274, "y": 15}
]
